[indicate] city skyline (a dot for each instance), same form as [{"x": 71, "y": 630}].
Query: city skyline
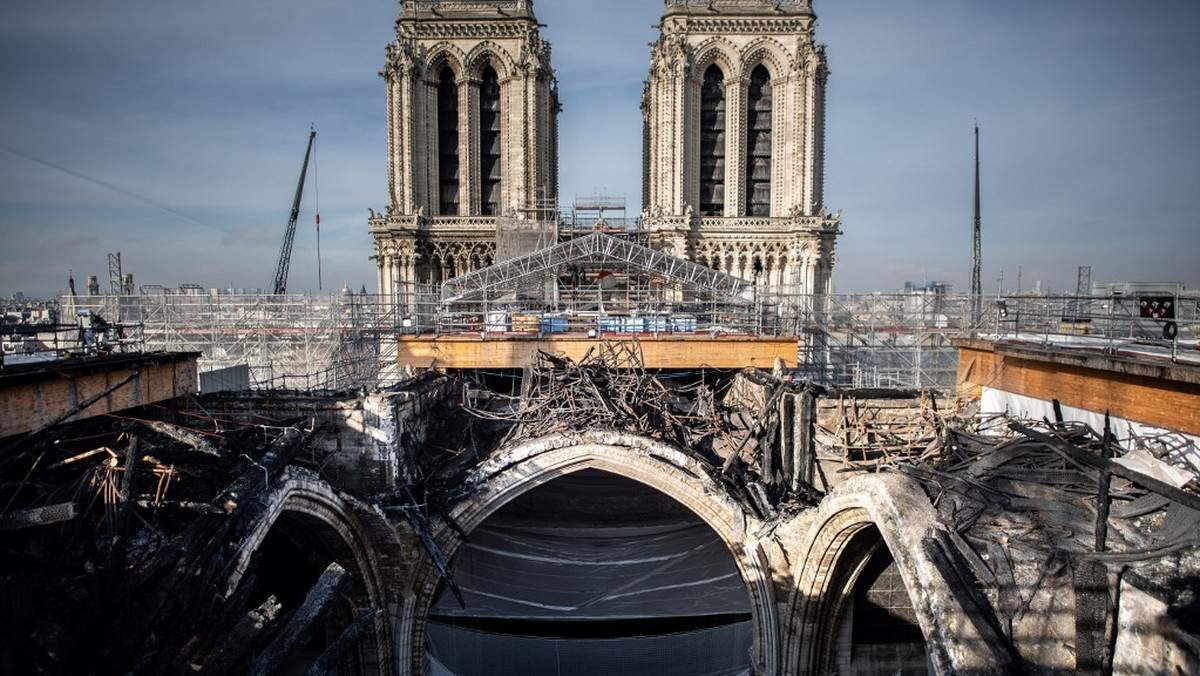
[{"x": 175, "y": 134}]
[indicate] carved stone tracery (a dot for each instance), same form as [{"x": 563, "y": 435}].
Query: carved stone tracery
[
  {"x": 737, "y": 36},
  {"x": 466, "y": 38}
]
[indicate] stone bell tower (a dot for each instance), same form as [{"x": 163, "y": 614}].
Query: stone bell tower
[
  {"x": 734, "y": 118},
  {"x": 472, "y": 119}
]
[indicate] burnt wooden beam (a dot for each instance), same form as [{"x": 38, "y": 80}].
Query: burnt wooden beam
[
  {"x": 1083, "y": 457},
  {"x": 1102, "y": 505},
  {"x": 945, "y": 556},
  {"x": 236, "y": 644},
  {"x": 420, "y": 523},
  {"x": 328, "y": 661},
  {"x": 192, "y": 439},
  {"x": 305, "y": 620},
  {"x": 1091, "y": 617}
]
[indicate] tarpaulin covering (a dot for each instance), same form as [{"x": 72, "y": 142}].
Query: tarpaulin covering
[
  {"x": 597, "y": 573},
  {"x": 716, "y": 651}
]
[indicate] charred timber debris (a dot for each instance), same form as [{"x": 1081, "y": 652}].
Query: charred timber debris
[{"x": 123, "y": 538}]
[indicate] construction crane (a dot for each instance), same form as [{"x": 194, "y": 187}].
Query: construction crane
[{"x": 285, "y": 251}]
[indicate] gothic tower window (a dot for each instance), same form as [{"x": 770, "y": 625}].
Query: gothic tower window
[
  {"x": 712, "y": 143},
  {"x": 489, "y": 142},
  {"x": 758, "y": 144},
  {"x": 463, "y": 86},
  {"x": 447, "y": 121}
]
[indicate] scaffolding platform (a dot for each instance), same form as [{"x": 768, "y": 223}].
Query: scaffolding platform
[{"x": 674, "y": 352}]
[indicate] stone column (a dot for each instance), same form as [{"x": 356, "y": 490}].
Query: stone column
[
  {"x": 379, "y": 263},
  {"x": 736, "y": 93},
  {"x": 469, "y": 180}
]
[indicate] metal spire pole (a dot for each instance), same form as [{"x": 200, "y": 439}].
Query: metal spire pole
[{"x": 977, "y": 252}]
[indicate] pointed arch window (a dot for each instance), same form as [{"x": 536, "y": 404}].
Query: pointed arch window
[
  {"x": 447, "y": 121},
  {"x": 758, "y": 143},
  {"x": 712, "y": 142},
  {"x": 489, "y": 142}
]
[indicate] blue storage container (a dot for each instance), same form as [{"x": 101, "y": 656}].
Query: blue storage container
[
  {"x": 683, "y": 324},
  {"x": 656, "y": 324},
  {"x": 554, "y": 324},
  {"x": 610, "y": 324}
]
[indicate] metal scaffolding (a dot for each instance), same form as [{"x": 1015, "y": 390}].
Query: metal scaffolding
[
  {"x": 337, "y": 341},
  {"x": 289, "y": 341},
  {"x": 511, "y": 275}
]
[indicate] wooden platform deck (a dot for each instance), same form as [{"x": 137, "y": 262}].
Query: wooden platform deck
[{"x": 667, "y": 351}]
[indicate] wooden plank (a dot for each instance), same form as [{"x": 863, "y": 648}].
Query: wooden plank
[
  {"x": 329, "y": 589},
  {"x": 1170, "y": 404},
  {"x": 1166, "y": 404},
  {"x": 691, "y": 352}
]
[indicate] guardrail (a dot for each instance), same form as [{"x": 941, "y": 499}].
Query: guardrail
[{"x": 858, "y": 340}]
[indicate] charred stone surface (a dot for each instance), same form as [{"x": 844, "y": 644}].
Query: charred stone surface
[{"x": 284, "y": 532}]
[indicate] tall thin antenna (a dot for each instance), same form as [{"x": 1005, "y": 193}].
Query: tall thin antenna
[
  {"x": 317, "y": 214},
  {"x": 977, "y": 251}
]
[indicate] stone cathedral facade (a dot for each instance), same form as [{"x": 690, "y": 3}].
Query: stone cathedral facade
[
  {"x": 734, "y": 114},
  {"x": 733, "y": 156},
  {"x": 472, "y": 106}
]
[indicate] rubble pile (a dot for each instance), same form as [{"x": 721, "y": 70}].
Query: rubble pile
[
  {"x": 120, "y": 535},
  {"x": 126, "y": 547},
  {"x": 737, "y": 440}
]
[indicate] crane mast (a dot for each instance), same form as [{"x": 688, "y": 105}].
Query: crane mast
[{"x": 285, "y": 252}]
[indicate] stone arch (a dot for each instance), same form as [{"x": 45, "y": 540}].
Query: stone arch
[
  {"x": 487, "y": 54},
  {"x": 860, "y": 516},
  {"x": 445, "y": 55},
  {"x": 522, "y": 467},
  {"x": 723, "y": 54},
  {"x": 301, "y": 500},
  {"x": 766, "y": 52}
]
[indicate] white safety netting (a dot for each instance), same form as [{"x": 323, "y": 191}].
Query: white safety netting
[
  {"x": 717, "y": 651},
  {"x": 664, "y": 570}
]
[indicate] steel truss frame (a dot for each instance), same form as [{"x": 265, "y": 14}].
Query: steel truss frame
[{"x": 495, "y": 280}]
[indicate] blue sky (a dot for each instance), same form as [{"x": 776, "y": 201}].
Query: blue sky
[{"x": 174, "y": 133}]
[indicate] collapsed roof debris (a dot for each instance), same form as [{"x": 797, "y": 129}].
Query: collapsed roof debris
[
  {"x": 120, "y": 535},
  {"x": 1047, "y": 500},
  {"x": 1040, "y": 516},
  {"x": 140, "y": 541},
  {"x": 610, "y": 389}
]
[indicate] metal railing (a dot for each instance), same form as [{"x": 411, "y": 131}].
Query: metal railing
[{"x": 335, "y": 341}]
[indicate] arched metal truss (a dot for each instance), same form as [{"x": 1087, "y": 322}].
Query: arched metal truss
[{"x": 506, "y": 277}]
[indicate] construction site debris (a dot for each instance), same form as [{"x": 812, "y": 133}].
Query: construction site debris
[
  {"x": 610, "y": 389},
  {"x": 129, "y": 530},
  {"x": 129, "y": 536}
]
